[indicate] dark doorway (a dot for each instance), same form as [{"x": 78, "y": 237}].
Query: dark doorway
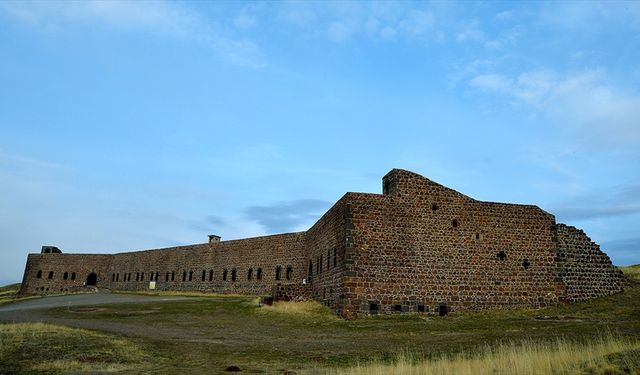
[
  {"x": 443, "y": 310},
  {"x": 92, "y": 279}
]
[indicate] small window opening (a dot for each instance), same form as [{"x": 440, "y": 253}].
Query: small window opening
[
  {"x": 397, "y": 308},
  {"x": 289, "y": 272},
  {"x": 224, "y": 275},
  {"x": 373, "y": 308},
  {"x": 152, "y": 274},
  {"x": 141, "y": 276},
  {"x": 117, "y": 277},
  {"x": 184, "y": 276},
  {"x": 454, "y": 223},
  {"x": 39, "y": 275},
  {"x": 210, "y": 275},
  {"x": 477, "y": 236},
  {"x": 73, "y": 275},
  {"x": 328, "y": 259},
  {"x": 335, "y": 257},
  {"x": 421, "y": 308},
  {"x": 113, "y": 277},
  {"x": 190, "y": 275},
  {"x": 443, "y": 309},
  {"x": 502, "y": 255},
  {"x": 65, "y": 276},
  {"x": 233, "y": 274},
  {"x": 204, "y": 275},
  {"x": 166, "y": 277},
  {"x": 310, "y": 268},
  {"x": 173, "y": 276},
  {"x": 259, "y": 274},
  {"x": 320, "y": 263},
  {"x": 250, "y": 274},
  {"x": 278, "y": 272},
  {"x": 526, "y": 264},
  {"x": 50, "y": 274},
  {"x": 434, "y": 207}
]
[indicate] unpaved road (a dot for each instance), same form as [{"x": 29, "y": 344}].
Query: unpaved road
[
  {"x": 100, "y": 298},
  {"x": 36, "y": 310}
]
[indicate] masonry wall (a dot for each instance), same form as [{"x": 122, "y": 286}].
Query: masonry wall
[
  {"x": 418, "y": 247},
  {"x": 585, "y": 270},
  {"x": 62, "y": 273},
  {"x": 423, "y": 245},
  {"x": 199, "y": 267},
  {"x": 325, "y": 244}
]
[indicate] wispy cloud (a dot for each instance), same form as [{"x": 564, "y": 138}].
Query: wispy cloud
[
  {"x": 625, "y": 251},
  {"x": 20, "y": 160},
  {"x": 585, "y": 100},
  {"x": 287, "y": 216},
  {"x": 590, "y": 16},
  {"x": 342, "y": 22},
  {"x": 605, "y": 203},
  {"x": 163, "y": 18}
]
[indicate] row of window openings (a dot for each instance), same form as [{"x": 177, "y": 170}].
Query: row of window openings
[
  {"x": 319, "y": 262},
  {"x": 503, "y": 256},
  {"x": 442, "y": 309},
  {"x": 188, "y": 276},
  {"x": 65, "y": 276}
]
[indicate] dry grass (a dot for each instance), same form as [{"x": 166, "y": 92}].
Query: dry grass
[
  {"x": 9, "y": 293},
  {"x": 632, "y": 271},
  {"x": 306, "y": 309},
  {"x": 561, "y": 356},
  {"x": 58, "y": 349}
]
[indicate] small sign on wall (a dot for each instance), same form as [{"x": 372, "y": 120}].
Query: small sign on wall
[{"x": 152, "y": 285}]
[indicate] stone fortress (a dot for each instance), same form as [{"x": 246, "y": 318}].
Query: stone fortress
[{"x": 417, "y": 247}]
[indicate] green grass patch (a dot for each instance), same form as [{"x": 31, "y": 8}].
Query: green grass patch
[
  {"x": 37, "y": 348},
  {"x": 632, "y": 272},
  {"x": 177, "y": 293},
  {"x": 209, "y": 334}
]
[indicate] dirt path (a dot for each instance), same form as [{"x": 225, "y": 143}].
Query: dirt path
[{"x": 36, "y": 310}]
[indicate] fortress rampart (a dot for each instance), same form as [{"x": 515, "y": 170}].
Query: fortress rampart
[{"x": 418, "y": 247}]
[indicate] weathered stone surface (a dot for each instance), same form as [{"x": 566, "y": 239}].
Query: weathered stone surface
[{"x": 419, "y": 247}]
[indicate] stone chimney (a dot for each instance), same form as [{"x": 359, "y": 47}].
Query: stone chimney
[
  {"x": 214, "y": 239},
  {"x": 47, "y": 249}
]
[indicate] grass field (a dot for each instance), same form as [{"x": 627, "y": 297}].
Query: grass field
[
  {"x": 8, "y": 293},
  {"x": 37, "y": 348},
  {"x": 632, "y": 271},
  {"x": 209, "y": 334}
]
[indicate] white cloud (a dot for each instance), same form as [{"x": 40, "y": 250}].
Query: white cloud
[
  {"x": 162, "y": 18},
  {"x": 591, "y": 15},
  {"x": 341, "y": 22},
  {"x": 583, "y": 100},
  {"x": 471, "y": 32},
  {"x": 244, "y": 21},
  {"x": 340, "y": 31},
  {"x": 504, "y": 15}
]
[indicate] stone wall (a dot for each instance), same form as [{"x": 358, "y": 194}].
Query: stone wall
[
  {"x": 199, "y": 267},
  {"x": 422, "y": 245},
  {"x": 293, "y": 292},
  {"x": 56, "y": 273},
  {"x": 584, "y": 269},
  {"x": 418, "y": 247},
  {"x": 325, "y": 243}
]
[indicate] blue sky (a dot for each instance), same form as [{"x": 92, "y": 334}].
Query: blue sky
[{"x": 132, "y": 125}]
